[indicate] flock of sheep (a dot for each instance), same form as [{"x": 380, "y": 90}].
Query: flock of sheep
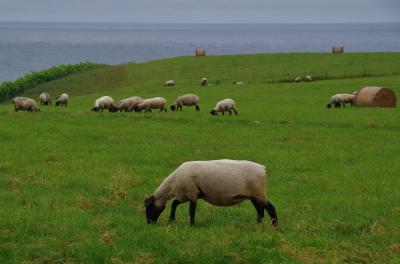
[
  {"x": 130, "y": 104},
  {"x": 30, "y": 105}
]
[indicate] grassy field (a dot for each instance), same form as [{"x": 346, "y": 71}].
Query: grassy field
[{"x": 73, "y": 182}]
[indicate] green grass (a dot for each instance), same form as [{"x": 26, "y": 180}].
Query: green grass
[{"x": 73, "y": 182}]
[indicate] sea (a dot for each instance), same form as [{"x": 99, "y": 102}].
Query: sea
[{"x": 26, "y": 47}]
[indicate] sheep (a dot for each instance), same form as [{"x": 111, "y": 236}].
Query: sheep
[
  {"x": 62, "y": 100},
  {"x": 338, "y": 99},
  {"x": 169, "y": 83},
  {"x": 152, "y": 103},
  {"x": 224, "y": 105},
  {"x": 308, "y": 78},
  {"x": 203, "y": 81},
  {"x": 25, "y": 104},
  {"x": 238, "y": 83},
  {"x": 124, "y": 104},
  {"x": 187, "y": 100},
  {"x": 44, "y": 98},
  {"x": 134, "y": 105},
  {"x": 355, "y": 92},
  {"x": 219, "y": 182},
  {"x": 297, "y": 79},
  {"x": 104, "y": 102}
]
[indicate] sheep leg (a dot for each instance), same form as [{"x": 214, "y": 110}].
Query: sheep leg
[
  {"x": 223, "y": 112},
  {"x": 272, "y": 213},
  {"x": 175, "y": 204},
  {"x": 259, "y": 208},
  {"x": 192, "y": 211},
  {"x": 230, "y": 112},
  {"x": 180, "y": 108}
]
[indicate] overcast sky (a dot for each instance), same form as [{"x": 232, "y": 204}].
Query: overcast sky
[{"x": 206, "y": 11}]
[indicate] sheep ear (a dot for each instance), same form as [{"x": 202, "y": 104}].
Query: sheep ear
[{"x": 149, "y": 201}]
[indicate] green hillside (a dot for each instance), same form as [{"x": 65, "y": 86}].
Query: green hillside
[{"x": 73, "y": 182}]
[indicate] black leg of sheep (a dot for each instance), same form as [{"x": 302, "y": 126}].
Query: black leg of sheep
[
  {"x": 175, "y": 204},
  {"x": 259, "y": 208},
  {"x": 192, "y": 211}
]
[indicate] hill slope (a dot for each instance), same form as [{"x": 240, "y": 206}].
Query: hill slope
[{"x": 73, "y": 182}]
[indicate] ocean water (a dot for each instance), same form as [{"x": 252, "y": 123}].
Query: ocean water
[{"x": 26, "y": 47}]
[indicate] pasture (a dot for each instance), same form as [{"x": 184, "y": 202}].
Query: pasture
[{"x": 73, "y": 182}]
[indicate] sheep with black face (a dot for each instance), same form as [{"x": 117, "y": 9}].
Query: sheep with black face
[
  {"x": 25, "y": 104},
  {"x": 186, "y": 100},
  {"x": 219, "y": 182},
  {"x": 45, "y": 98},
  {"x": 62, "y": 100},
  {"x": 104, "y": 102},
  {"x": 224, "y": 105}
]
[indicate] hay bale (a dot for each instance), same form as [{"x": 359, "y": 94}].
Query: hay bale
[
  {"x": 376, "y": 97},
  {"x": 200, "y": 52},
  {"x": 337, "y": 49}
]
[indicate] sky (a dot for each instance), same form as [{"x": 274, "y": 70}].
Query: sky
[{"x": 205, "y": 11}]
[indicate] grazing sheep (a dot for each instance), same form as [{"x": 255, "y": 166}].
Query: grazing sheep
[
  {"x": 62, "y": 100},
  {"x": 25, "y": 104},
  {"x": 104, "y": 102},
  {"x": 355, "y": 92},
  {"x": 152, "y": 103},
  {"x": 203, "y": 81},
  {"x": 187, "y": 100},
  {"x": 224, "y": 105},
  {"x": 308, "y": 78},
  {"x": 297, "y": 79},
  {"x": 338, "y": 99},
  {"x": 219, "y": 182},
  {"x": 238, "y": 83},
  {"x": 45, "y": 98},
  {"x": 169, "y": 83},
  {"x": 134, "y": 105},
  {"x": 124, "y": 104}
]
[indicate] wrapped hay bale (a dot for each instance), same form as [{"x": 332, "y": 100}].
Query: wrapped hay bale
[
  {"x": 376, "y": 97},
  {"x": 337, "y": 49},
  {"x": 200, "y": 52}
]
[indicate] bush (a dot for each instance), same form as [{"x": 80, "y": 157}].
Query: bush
[{"x": 33, "y": 79}]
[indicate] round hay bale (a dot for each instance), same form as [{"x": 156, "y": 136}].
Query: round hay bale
[
  {"x": 337, "y": 49},
  {"x": 200, "y": 52},
  {"x": 376, "y": 97}
]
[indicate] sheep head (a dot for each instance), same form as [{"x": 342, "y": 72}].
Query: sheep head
[
  {"x": 152, "y": 210},
  {"x": 213, "y": 112}
]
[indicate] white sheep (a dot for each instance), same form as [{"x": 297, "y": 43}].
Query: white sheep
[
  {"x": 219, "y": 182},
  {"x": 224, "y": 105},
  {"x": 104, "y": 102},
  {"x": 297, "y": 79},
  {"x": 238, "y": 83},
  {"x": 62, "y": 100},
  {"x": 152, "y": 103},
  {"x": 308, "y": 78},
  {"x": 169, "y": 83},
  {"x": 187, "y": 100},
  {"x": 125, "y": 104},
  {"x": 45, "y": 98},
  {"x": 341, "y": 99},
  {"x": 203, "y": 81},
  {"x": 25, "y": 104}
]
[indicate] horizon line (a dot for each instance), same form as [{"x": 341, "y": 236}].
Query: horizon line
[{"x": 198, "y": 23}]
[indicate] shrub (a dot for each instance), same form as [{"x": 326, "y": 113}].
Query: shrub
[{"x": 33, "y": 79}]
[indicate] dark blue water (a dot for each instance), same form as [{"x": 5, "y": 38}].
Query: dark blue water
[{"x": 25, "y": 47}]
